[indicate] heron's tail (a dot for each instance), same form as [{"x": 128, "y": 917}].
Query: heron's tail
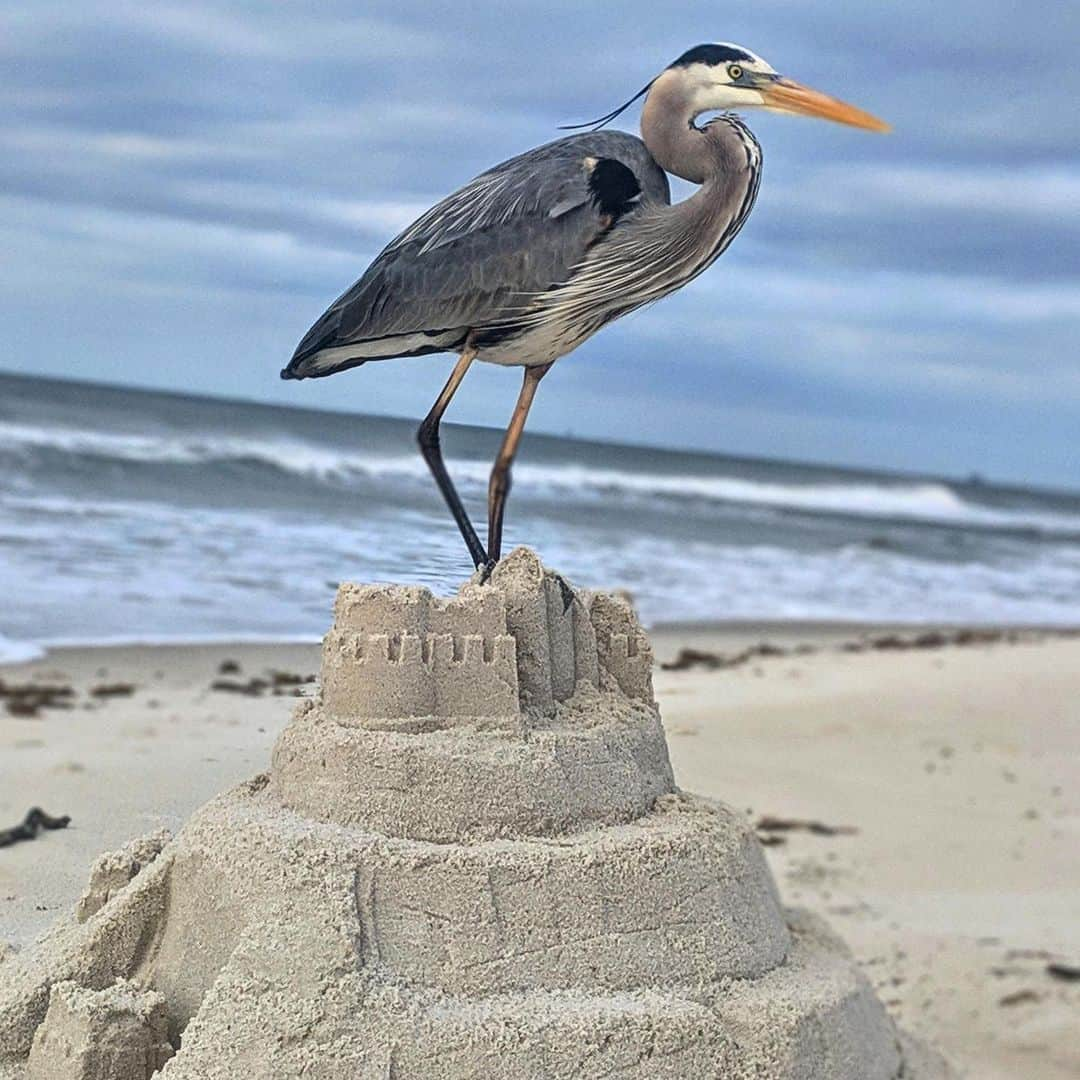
[
  {"x": 317, "y": 357},
  {"x": 313, "y": 355},
  {"x": 294, "y": 371},
  {"x": 318, "y": 364}
]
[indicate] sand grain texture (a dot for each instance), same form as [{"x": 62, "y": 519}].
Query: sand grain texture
[{"x": 380, "y": 904}]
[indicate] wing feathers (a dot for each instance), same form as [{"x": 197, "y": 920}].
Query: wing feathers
[{"x": 484, "y": 251}]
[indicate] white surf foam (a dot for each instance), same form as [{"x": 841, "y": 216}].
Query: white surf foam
[
  {"x": 19, "y": 652},
  {"x": 931, "y": 502}
]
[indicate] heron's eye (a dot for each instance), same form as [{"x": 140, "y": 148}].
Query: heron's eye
[{"x": 734, "y": 72}]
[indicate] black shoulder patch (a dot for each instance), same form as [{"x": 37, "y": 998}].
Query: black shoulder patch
[
  {"x": 613, "y": 186},
  {"x": 711, "y": 55}
]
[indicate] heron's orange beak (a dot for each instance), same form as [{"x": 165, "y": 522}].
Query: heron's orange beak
[{"x": 786, "y": 95}]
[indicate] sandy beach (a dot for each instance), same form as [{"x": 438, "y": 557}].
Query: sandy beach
[{"x": 926, "y": 800}]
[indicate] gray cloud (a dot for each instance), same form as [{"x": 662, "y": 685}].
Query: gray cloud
[{"x": 184, "y": 186}]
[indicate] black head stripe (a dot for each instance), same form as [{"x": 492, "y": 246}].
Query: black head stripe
[
  {"x": 712, "y": 55},
  {"x": 699, "y": 54}
]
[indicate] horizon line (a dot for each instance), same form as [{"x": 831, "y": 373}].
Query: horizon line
[{"x": 973, "y": 478}]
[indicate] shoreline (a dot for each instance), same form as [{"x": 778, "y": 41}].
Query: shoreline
[
  {"x": 946, "y": 780},
  {"x": 794, "y": 631}
]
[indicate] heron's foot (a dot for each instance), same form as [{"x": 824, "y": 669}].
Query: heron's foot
[{"x": 486, "y": 569}]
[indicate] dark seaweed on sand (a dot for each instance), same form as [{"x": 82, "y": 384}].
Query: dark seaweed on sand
[{"x": 35, "y": 820}]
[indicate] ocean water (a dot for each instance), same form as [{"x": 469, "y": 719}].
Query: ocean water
[{"x": 135, "y": 516}]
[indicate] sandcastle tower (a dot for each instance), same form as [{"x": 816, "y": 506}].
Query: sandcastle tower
[{"x": 469, "y": 859}]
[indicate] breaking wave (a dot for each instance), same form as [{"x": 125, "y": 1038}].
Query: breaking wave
[
  {"x": 930, "y": 501},
  {"x": 127, "y": 515},
  {"x": 18, "y": 652}
]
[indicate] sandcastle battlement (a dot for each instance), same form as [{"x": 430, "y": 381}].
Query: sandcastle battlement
[
  {"x": 620, "y": 657},
  {"x": 396, "y": 679},
  {"x": 501, "y": 654},
  {"x": 413, "y": 609},
  {"x": 434, "y": 651}
]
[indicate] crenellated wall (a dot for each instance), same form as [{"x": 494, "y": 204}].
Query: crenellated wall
[{"x": 499, "y": 655}]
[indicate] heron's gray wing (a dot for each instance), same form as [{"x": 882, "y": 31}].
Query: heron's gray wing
[{"x": 514, "y": 231}]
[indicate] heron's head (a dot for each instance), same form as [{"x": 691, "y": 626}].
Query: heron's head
[{"x": 722, "y": 77}]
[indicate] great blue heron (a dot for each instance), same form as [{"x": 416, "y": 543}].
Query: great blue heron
[{"x": 525, "y": 262}]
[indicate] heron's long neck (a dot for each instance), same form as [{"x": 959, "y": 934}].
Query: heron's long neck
[
  {"x": 715, "y": 156},
  {"x": 723, "y": 157}
]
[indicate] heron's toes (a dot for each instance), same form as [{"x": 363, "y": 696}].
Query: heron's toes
[{"x": 485, "y": 570}]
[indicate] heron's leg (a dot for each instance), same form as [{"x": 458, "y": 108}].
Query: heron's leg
[
  {"x": 428, "y": 438},
  {"x": 499, "y": 486}
]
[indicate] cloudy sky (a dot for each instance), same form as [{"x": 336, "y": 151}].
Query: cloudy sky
[{"x": 185, "y": 186}]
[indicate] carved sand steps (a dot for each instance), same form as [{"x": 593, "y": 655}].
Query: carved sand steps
[{"x": 469, "y": 859}]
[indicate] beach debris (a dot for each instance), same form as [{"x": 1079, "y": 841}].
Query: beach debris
[
  {"x": 26, "y": 699},
  {"x": 1064, "y": 972},
  {"x": 111, "y": 690},
  {"x": 288, "y": 682},
  {"x": 253, "y": 687},
  {"x": 21, "y": 708},
  {"x": 279, "y": 683},
  {"x": 771, "y": 839},
  {"x": 769, "y": 824},
  {"x": 688, "y": 658},
  {"x": 36, "y": 819},
  {"x": 119, "y": 1032},
  {"x": 229, "y": 667},
  {"x": 933, "y": 639},
  {"x": 1019, "y": 997},
  {"x": 713, "y": 661}
]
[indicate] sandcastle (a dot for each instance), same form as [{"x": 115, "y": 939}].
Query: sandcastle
[{"x": 469, "y": 859}]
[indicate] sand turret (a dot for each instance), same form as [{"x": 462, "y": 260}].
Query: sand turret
[{"x": 469, "y": 859}]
